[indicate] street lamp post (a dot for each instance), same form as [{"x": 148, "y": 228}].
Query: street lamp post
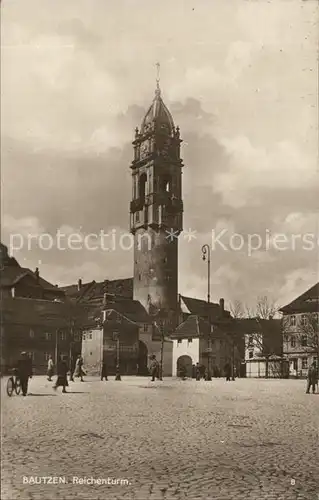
[
  {"x": 233, "y": 356},
  {"x": 162, "y": 350},
  {"x": 117, "y": 372},
  {"x": 206, "y": 256}
]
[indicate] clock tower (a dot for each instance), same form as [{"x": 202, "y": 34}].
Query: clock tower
[{"x": 157, "y": 211}]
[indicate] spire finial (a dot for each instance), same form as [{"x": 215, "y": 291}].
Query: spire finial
[{"x": 158, "y": 90}]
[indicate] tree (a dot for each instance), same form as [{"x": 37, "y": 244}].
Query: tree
[
  {"x": 265, "y": 308},
  {"x": 237, "y": 309}
]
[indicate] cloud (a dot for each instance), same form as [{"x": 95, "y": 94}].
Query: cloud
[{"x": 240, "y": 83}]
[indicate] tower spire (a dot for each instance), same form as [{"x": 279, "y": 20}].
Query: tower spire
[{"x": 158, "y": 90}]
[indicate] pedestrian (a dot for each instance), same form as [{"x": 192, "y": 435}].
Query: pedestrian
[
  {"x": 62, "y": 372},
  {"x": 154, "y": 367},
  {"x": 79, "y": 372},
  {"x": 227, "y": 372},
  {"x": 72, "y": 368},
  {"x": 50, "y": 370},
  {"x": 198, "y": 373},
  {"x": 312, "y": 378},
  {"x": 24, "y": 371},
  {"x": 104, "y": 371},
  {"x": 202, "y": 371}
]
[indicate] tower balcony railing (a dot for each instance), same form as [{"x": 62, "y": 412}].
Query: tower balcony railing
[
  {"x": 137, "y": 204},
  {"x": 167, "y": 199}
]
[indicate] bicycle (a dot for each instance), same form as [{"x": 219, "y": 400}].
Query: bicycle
[{"x": 13, "y": 384}]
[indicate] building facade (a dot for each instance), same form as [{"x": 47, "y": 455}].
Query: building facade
[
  {"x": 206, "y": 335},
  {"x": 36, "y": 317},
  {"x": 300, "y": 331},
  {"x": 263, "y": 347}
]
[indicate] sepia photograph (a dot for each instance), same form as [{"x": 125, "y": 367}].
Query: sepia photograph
[{"x": 159, "y": 250}]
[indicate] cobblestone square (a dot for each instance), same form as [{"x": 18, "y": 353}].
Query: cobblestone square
[{"x": 248, "y": 439}]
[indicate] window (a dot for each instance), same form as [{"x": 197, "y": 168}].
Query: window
[
  {"x": 46, "y": 355},
  {"x": 304, "y": 341},
  {"x": 316, "y": 317},
  {"x": 83, "y": 336},
  {"x": 31, "y": 334},
  {"x": 88, "y": 336},
  {"x": 32, "y": 355},
  {"x": 190, "y": 341},
  {"x": 293, "y": 320},
  {"x": 142, "y": 185},
  {"x": 166, "y": 184},
  {"x": 292, "y": 342},
  {"x": 304, "y": 363},
  {"x": 48, "y": 336},
  {"x": 251, "y": 354},
  {"x": 115, "y": 336},
  {"x": 295, "y": 364},
  {"x": 145, "y": 328},
  {"x": 63, "y": 335},
  {"x": 137, "y": 217},
  {"x": 304, "y": 319},
  {"x": 179, "y": 341}
]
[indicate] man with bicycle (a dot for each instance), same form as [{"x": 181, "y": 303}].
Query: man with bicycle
[{"x": 24, "y": 371}]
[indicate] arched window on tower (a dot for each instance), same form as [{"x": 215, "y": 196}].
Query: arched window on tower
[
  {"x": 142, "y": 186},
  {"x": 166, "y": 184}
]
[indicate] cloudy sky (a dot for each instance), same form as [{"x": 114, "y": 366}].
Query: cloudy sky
[{"x": 240, "y": 78}]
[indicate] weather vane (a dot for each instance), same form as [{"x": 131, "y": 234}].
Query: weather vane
[{"x": 158, "y": 67}]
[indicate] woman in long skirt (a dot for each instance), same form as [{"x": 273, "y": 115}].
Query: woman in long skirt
[
  {"x": 50, "y": 371},
  {"x": 79, "y": 372},
  {"x": 62, "y": 379}
]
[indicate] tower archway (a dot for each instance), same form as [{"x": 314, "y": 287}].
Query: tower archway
[{"x": 186, "y": 362}]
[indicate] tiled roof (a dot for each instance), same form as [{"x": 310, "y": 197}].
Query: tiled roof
[
  {"x": 202, "y": 308},
  {"x": 121, "y": 287},
  {"x": 11, "y": 275},
  {"x": 193, "y": 326},
  {"x": 131, "y": 309},
  {"x": 306, "y": 302}
]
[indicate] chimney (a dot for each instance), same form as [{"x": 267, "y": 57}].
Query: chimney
[
  {"x": 79, "y": 284},
  {"x": 222, "y": 305},
  {"x": 37, "y": 274}
]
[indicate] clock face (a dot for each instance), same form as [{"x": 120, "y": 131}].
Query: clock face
[{"x": 144, "y": 149}]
